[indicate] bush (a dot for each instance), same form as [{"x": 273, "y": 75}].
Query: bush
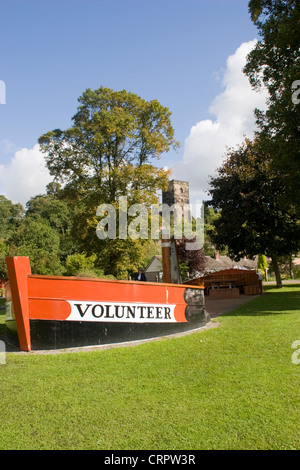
[
  {"x": 94, "y": 273},
  {"x": 78, "y": 263},
  {"x": 296, "y": 272}
]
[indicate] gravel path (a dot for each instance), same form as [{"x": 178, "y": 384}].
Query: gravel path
[{"x": 217, "y": 307}]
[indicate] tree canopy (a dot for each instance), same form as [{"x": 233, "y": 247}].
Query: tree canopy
[
  {"x": 108, "y": 153},
  {"x": 275, "y": 63},
  {"x": 113, "y": 131},
  {"x": 247, "y": 193}
]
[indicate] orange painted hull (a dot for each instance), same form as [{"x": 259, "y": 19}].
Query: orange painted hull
[{"x": 94, "y": 310}]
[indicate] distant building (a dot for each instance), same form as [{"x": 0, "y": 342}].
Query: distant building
[
  {"x": 154, "y": 270},
  {"x": 177, "y": 193}
]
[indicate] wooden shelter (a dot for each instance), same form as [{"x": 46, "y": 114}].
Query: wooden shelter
[{"x": 229, "y": 283}]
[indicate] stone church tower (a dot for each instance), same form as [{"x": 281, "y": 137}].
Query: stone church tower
[{"x": 177, "y": 193}]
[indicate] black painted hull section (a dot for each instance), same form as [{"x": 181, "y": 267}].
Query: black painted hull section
[{"x": 56, "y": 334}]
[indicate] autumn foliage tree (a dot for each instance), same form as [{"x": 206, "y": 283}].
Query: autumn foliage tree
[{"x": 108, "y": 153}]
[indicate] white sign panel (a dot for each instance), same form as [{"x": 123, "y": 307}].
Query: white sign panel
[{"x": 121, "y": 312}]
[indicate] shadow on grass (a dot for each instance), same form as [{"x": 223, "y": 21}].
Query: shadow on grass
[
  {"x": 270, "y": 303},
  {"x": 283, "y": 288}
]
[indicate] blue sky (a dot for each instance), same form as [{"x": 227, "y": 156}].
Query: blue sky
[{"x": 175, "y": 51}]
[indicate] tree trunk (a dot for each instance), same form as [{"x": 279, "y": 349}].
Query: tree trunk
[
  {"x": 291, "y": 267},
  {"x": 276, "y": 271}
]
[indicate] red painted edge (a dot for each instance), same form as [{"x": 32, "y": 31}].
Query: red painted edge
[
  {"x": 18, "y": 268},
  {"x": 32, "y": 295}
]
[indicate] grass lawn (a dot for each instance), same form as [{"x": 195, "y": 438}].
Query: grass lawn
[{"x": 231, "y": 387}]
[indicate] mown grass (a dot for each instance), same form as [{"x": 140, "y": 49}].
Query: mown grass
[{"x": 231, "y": 387}]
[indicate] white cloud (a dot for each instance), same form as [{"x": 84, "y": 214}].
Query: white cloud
[
  {"x": 7, "y": 147},
  {"x": 24, "y": 176},
  {"x": 233, "y": 109}
]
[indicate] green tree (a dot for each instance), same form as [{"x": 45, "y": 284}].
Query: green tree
[
  {"x": 10, "y": 216},
  {"x": 57, "y": 213},
  {"x": 79, "y": 262},
  {"x": 247, "y": 193},
  {"x": 112, "y": 130},
  {"x": 262, "y": 264},
  {"x": 3, "y": 254},
  {"x": 210, "y": 215},
  {"x": 52, "y": 209},
  {"x": 106, "y": 154},
  {"x": 36, "y": 239},
  {"x": 274, "y": 63}
]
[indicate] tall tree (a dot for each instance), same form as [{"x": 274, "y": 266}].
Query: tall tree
[
  {"x": 275, "y": 63},
  {"x": 36, "y": 239},
  {"x": 56, "y": 213},
  {"x": 10, "y": 216},
  {"x": 210, "y": 215},
  {"x": 247, "y": 192},
  {"x": 52, "y": 209},
  {"x": 112, "y": 129}
]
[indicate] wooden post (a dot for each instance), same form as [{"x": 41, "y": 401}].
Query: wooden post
[
  {"x": 175, "y": 270},
  {"x": 18, "y": 268},
  {"x": 166, "y": 256}
]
